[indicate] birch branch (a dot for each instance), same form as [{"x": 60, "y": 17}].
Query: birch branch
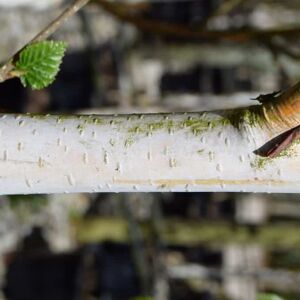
[{"x": 205, "y": 151}]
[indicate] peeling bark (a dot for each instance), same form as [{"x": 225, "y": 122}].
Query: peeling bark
[{"x": 280, "y": 143}]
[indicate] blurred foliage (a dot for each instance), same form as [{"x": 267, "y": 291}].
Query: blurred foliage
[
  {"x": 176, "y": 231},
  {"x": 25, "y": 205},
  {"x": 288, "y": 259},
  {"x": 264, "y": 296}
]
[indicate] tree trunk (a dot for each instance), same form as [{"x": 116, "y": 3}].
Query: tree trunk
[{"x": 206, "y": 151}]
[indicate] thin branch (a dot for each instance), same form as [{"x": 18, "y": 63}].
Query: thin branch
[
  {"x": 54, "y": 25},
  {"x": 5, "y": 71},
  {"x": 186, "y": 32},
  {"x": 277, "y": 49},
  {"x": 223, "y": 8},
  {"x": 227, "y": 6}
]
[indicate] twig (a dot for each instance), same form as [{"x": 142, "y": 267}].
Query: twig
[
  {"x": 223, "y": 8},
  {"x": 5, "y": 71},
  {"x": 186, "y": 32},
  {"x": 277, "y": 48}
]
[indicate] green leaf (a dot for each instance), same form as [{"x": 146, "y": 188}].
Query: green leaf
[
  {"x": 38, "y": 64},
  {"x": 264, "y": 296}
]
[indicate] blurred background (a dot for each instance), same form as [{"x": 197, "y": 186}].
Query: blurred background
[{"x": 152, "y": 56}]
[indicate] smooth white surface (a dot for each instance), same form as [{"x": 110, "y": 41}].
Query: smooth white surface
[{"x": 55, "y": 154}]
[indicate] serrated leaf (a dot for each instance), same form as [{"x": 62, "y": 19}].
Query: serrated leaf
[{"x": 39, "y": 63}]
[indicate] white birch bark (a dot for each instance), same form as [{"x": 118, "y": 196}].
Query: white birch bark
[{"x": 208, "y": 151}]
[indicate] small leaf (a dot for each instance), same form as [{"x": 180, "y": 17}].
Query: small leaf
[{"x": 39, "y": 63}]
